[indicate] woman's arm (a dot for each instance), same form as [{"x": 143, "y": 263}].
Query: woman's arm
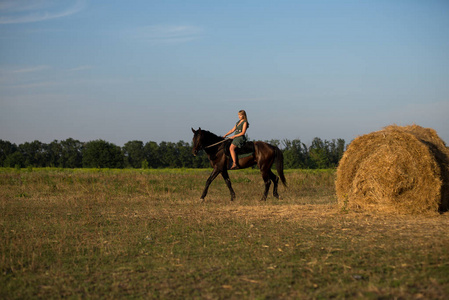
[{"x": 229, "y": 132}]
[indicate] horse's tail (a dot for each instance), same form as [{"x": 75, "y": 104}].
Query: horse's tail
[{"x": 279, "y": 158}]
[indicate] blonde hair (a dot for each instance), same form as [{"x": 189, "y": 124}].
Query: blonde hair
[{"x": 243, "y": 113}]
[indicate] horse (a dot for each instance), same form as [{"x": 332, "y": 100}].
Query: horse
[{"x": 262, "y": 154}]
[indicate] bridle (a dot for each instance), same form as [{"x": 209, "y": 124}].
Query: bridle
[{"x": 197, "y": 147}]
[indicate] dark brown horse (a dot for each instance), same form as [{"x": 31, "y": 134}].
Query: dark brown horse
[{"x": 262, "y": 154}]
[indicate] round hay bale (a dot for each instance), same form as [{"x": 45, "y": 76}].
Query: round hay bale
[{"x": 397, "y": 169}]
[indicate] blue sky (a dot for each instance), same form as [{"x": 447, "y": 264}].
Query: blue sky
[{"x": 151, "y": 70}]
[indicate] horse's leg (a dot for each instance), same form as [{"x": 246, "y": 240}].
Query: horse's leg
[
  {"x": 275, "y": 180},
  {"x": 209, "y": 180},
  {"x": 267, "y": 181},
  {"x": 228, "y": 183}
]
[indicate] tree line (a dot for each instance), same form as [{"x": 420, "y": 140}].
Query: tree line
[{"x": 71, "y": 153}]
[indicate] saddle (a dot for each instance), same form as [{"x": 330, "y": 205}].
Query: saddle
[{"x": 245, "y": 151}]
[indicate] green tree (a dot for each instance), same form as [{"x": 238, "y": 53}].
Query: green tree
[
  {"x": 145, "y": 164},
  {"x": 338, "y": 151},
  {"x": 15, "y": 159},
  {"x": 71, "y": 154},
  {"x": 53, "y": 154},
  {"x": 34, "y": 153},
  {"x": 101, "y": 154},
  {"x": 295, "y": 154},
  {"x": 168, "y": 155},
  {"x": 319, "y": 158},
  {"x": 134, "y": 154},
  {"x": 6, "y": 149},
  {"x": 151, "y": 152},
  {"x": 185, "y": 157}
]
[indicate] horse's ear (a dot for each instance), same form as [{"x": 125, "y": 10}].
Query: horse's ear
[
  {"x": 199, "y": 129},
  {"x": 193, "y": 130}
]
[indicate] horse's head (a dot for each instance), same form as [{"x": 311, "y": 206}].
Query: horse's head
[{"x": 197, "y": 141}]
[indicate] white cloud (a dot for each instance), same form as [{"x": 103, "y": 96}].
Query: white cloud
[
  {"x": 19, "y": 5},
  {"x": 15, "y": 76},
  {"x": 166, "y": 33},
  {"x": 21, "y": 11},
  {"x": 80, "y": 68},
  {"x": 34, "y": 85},
  {"x": 31, "y": 69}
]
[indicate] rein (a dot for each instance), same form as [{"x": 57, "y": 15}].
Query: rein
[{"x": 216, "y": 143}]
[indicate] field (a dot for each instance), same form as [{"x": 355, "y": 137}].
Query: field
[{"x": 144, "y": 234}]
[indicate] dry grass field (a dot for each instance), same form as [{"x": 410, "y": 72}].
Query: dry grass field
[{"x": 144, "y": 234}]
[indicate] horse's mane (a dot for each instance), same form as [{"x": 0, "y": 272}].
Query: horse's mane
[{"x": 211, "y": 137}]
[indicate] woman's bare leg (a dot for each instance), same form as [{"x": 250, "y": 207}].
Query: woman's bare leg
[{"x": 234, "y": 156}]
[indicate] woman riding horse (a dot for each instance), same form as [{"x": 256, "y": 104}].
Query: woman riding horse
[
  {"x": 264, "y": 156},
  {"x": 239, "y": 138}
]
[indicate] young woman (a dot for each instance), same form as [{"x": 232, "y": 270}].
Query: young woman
[{"x": 239, "y": 137}]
